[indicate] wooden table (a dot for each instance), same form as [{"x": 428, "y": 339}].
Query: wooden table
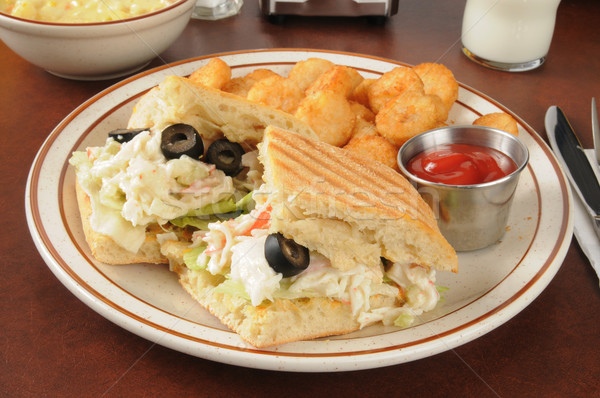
[{"x": 51, "y": 344}]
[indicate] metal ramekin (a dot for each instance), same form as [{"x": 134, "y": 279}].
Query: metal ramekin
[{"x": 469, "y": 216}]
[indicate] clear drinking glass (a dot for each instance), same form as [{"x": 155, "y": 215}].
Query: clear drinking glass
[
  {"x": 216, "y": 9},
  {"x": 509, "y": 35}
]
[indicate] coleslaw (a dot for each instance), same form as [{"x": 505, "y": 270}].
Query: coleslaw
[
  {"x": 235, "y": 248},
  {"x": 133, "y": 185}
]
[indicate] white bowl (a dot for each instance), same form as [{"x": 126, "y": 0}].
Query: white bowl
[{"x": 96, "y": 51}]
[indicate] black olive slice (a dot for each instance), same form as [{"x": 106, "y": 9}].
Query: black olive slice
[
  {"x": 125, "y": 135},
  {"x": 286, "y": 256},
  {"x": 226, "y": 156},
  {"x": 181, "y": 139}
]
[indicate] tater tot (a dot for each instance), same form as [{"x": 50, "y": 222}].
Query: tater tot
[
  {"x": 374, "y": 146},
  {"x": 362, "y": 111},
  {"x": 391, "y": 84},
  {"x": 340, "y": 78},
  {"x": 407, "y": 115},
  {"x": 278, "y": 92},
  {"x": 330, "y": 116},
  {"x": 439, "y": 80},
  {"x": 304, "y": 73},
  {"x": 500, "y": 120},
  {"x": 363, "y": 127},
  {"x": 360, "y": 93},
  {"x": 214, "y": 74},
  {"x": 241, "y": 85}
]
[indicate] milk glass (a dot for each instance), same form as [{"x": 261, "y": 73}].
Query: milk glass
[
  {"x": 216, "y": 9},
  {"x": 509, "y": 35}
]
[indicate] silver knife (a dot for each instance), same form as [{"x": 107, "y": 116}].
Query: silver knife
[
  {"x": 596, "y": 130},
  {"x": 569, "y": 152}
]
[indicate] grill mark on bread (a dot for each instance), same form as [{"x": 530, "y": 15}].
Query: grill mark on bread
[
  {"x": 402, "y": 234},
  {"x": 350, "y": 182},
  {"x": 354, "y": 195},
  {"x": 289, "y": 162}
]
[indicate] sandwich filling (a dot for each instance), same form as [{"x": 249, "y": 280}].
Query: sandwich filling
[
  {"x": 235, "y": 250},
  {"x": 133, "y": 186}
]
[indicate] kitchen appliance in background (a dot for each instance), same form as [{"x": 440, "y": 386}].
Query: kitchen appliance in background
[{"x": 377, "y": 10}]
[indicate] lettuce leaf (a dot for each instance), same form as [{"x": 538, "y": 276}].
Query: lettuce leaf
[
  {"x": 222, "y": 210},
  {"x": 190, "y": 257},
  {"x": 233, "y": 288},
  {"x": 196, "y": 222},
  {"x": 404, "y": 320}
]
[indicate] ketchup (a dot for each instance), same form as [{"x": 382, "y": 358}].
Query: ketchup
[{"x": 461, "y": 164}]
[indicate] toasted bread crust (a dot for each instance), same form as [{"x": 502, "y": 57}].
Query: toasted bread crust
[
  {"x": 357, "y": 186},
  {"x": 212, "y": 112},
  {"x": 271, "y": 323},
  {"x": 105, "y": 249},
  {"x": 377, "y": 207}
]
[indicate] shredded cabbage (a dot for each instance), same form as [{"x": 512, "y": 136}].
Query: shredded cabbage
[
  {"x": 223, "y": 210},
  {"x": 132, "y": 185},
  {"x": 418, "y": 284}
]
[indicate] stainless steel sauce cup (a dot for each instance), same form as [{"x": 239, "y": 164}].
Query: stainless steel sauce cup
[{"x": 469, "y": 216}]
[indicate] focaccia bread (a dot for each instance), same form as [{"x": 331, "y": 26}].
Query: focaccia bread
[
  {"x": 309, "y": 186},
  {"x": 214, "y": 113},
  {"x": 105, "y": 249},
  {"x": 271, "y": 323}
]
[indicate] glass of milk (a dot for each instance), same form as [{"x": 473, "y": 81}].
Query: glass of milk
[{"x": 508, "y": 35}]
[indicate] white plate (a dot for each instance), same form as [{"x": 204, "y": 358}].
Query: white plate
[{"x": 492, "y": 286}]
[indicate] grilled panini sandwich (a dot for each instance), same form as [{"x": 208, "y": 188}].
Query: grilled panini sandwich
[
  {"x": 156, "y": 180},
  {"x": 335, "y": 243}
]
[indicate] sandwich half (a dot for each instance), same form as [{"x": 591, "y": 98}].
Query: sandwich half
[
  {"x": 214, "y": 113},
  {"x": 335, "y": 243},
  {"x": 141, "y": 188}
]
